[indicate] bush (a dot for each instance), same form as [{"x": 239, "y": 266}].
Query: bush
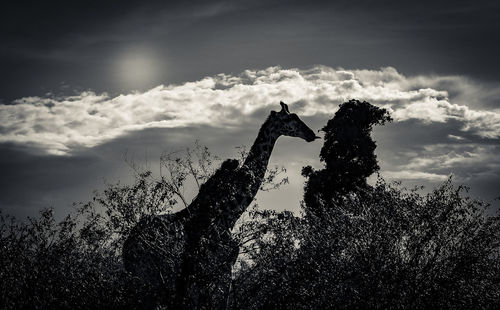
[
  {"x": 45, "y": 264},
  {"x": 363, "y": 246},
  {"x": 77, "y": 262},
  {"x": 380, "y": 247}
]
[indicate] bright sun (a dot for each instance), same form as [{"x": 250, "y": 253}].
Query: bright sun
[{"x": 137, "y": 68}]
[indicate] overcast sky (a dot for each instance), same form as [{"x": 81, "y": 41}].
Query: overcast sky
[{"x": 85, "y": 84}]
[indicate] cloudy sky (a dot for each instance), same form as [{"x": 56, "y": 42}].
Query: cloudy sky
[{"x": 84, "y": 85}]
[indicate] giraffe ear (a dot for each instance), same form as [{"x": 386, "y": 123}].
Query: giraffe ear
[{"x": 284, "y": 107}]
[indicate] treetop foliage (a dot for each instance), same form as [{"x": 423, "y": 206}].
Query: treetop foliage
[{"x": 348, "y": 152}]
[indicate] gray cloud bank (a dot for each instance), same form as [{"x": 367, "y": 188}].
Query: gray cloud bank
[{"x": 443, "y": 124}]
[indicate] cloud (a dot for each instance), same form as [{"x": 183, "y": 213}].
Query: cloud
[
  {"x": 467, "y": 161},
  {"x": 485, "y": 124},
  {"x": 61, "y": 125},
  {"x": 414, "y": 175}
]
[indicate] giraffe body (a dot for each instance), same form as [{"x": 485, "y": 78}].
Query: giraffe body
[{"x": 200, "y": 276}]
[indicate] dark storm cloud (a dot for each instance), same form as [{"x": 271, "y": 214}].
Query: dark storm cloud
[
  {"x": 48, "y": 44},
  {"x": 45, "y": 44}
]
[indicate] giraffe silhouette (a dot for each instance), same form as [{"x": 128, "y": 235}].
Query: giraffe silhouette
[{"x": 186, "y": 257}]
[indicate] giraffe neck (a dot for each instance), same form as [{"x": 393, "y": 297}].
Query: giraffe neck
[
  {"x": 243, "y": 187},
  {"x": 261, "y": 150}
]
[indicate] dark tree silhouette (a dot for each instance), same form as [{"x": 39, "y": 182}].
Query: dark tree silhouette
[
  {"x": 382, "y": 247},
  {"x": 348, "y": 153}
]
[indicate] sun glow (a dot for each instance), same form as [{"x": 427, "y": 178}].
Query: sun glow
[{"x": 138, "y": 68}]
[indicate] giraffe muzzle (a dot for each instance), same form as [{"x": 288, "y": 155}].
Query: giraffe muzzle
[{"x": 311, "y": 139}]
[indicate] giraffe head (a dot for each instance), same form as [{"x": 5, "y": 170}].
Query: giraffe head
[{"x": 289, "y": 124}]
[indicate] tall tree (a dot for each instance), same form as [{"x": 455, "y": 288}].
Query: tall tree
[{"x": 348, "y": 153}]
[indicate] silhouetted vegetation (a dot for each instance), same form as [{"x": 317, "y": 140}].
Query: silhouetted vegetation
[
  {"x": 77, "y": 263},
  {"x": 362, "y": 246},
  {"x": 354, "y": 245},
  {"x": 348, "y": 154},
  {"x": 380, "y": 247}
]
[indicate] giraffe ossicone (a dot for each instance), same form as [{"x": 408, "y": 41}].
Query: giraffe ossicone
[{"x": 186, "y": 257}]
